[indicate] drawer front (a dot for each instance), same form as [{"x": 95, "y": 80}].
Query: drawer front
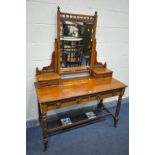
[
  {"x": 111, "y": 94},
  {"x": 82, "y": 100},
  {"x": 47, "y": 83},
  {"x": 68, "y": 103},
  {"x": 104, "y": 75},
  {"x": 104, "y": 95}
]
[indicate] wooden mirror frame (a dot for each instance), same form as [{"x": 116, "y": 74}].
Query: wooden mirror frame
[{"x": 54, "y": 67}]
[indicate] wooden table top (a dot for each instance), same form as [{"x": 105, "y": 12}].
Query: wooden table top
[{"x": 77, "y": 87}]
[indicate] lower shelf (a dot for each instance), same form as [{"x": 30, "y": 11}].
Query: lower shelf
[{"x": 82, "y": 120}]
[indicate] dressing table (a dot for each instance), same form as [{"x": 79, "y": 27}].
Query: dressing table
[{"x": 76, "y": 42}]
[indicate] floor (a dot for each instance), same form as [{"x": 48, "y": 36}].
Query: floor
[{"x": 98, "y": 138}]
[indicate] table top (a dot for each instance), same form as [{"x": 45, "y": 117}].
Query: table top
[{"x": 77, "y": 87}]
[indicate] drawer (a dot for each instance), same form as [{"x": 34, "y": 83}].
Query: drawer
[
  {"x": 111, "y": 94},
  {"x": 82, "y": 100},
  {"x": 47, "y": 83},
  {"x": 68, "y": 103},
  {"x": 102, "y": 96}
]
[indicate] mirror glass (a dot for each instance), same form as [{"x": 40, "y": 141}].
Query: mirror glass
[{"x": 75, "y": 43}]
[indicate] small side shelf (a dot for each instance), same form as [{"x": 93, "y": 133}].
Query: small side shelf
[
  {"x": 102, "y": 72},
  {"x": 47, "y": 79}
]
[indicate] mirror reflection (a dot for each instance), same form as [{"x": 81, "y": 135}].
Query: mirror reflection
[{"x": 76, "y": 43}]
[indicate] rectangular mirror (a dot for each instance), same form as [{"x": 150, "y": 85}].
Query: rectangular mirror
[{"x": 75, "y": 43}]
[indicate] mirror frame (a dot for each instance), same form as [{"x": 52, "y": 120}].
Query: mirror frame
[
  {"x": 54, "y": 67},
  {"x": 78, "y": 18}
]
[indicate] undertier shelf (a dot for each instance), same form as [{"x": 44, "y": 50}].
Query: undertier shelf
[{"x": 54, "y": 126}]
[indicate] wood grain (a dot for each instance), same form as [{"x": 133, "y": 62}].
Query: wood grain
[{"x": 77, "y": 87}]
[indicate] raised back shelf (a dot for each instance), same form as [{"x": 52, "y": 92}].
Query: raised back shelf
[
  {"x": 47, "y": 79},
  {"x": 102, "y": 73}
]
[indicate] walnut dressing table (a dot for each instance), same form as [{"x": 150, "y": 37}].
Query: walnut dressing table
[{"x": 54, "y": 92}]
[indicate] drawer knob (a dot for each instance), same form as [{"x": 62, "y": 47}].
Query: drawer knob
[
  {"x": 78, "y": 100},
  {"x": 98, "y": 97},
  {"x": 113, "y": 93},
  {"x": 58, "y": 105}
]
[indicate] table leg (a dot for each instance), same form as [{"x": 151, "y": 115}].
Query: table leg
[
  {"x": 100, "y": 104},
  {"x": 39, "y": 112},
  {"x": 44, "y": 128},
  {"x": 117, "y": 110}
]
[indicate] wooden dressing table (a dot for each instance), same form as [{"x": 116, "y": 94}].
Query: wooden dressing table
[{"x": 54, "y": 92}]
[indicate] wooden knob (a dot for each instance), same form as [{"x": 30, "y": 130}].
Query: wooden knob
[
  {"x": 98, "y": 97},
  {"x": 58, "y": 105},
  {"x": 78, "y": 100}
]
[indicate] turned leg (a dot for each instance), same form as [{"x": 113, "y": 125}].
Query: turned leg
[
  {"x": 45, "y": 133},
  {"x": 39, "y": 112},
  {"x": 44, "y": 127},
  {"x": 117, "y": 110}
]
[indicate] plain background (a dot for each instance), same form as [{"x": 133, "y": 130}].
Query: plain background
[
  {"x": 112, "y": 38},
  {"x": 13, "y": 77}
]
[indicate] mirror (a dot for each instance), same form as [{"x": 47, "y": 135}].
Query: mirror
[{"x": 75, "y": 43}]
